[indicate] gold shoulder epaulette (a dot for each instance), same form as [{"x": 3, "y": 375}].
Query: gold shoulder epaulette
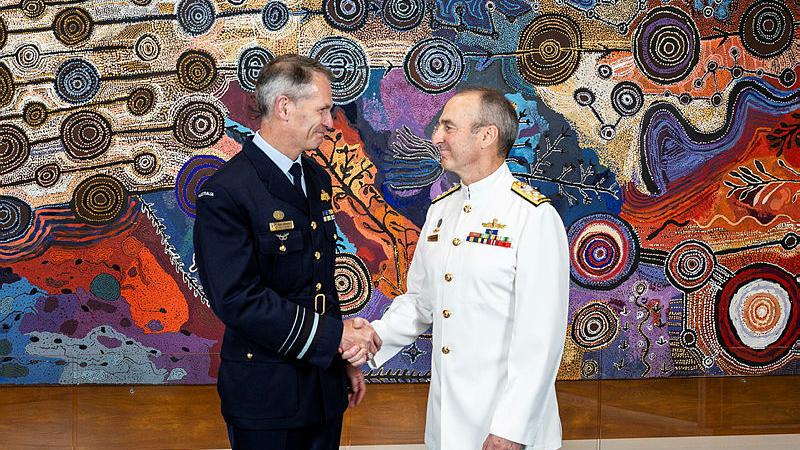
[
  {"x": 446, "y": 193},
  {"x": 529, "y": 193}
]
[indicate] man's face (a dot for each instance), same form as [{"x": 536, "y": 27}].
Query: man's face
[
  {"x": 310, "y": 116},
  {"x": 458, "y": 144}
]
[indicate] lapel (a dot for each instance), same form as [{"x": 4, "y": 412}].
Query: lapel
[{"x": 275, "y": 181}]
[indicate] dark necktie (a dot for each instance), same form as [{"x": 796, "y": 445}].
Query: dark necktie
[{"x": 297, "y": 174}]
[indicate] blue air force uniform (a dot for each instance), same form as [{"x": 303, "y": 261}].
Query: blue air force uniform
[{"x": 265, "y": 256}]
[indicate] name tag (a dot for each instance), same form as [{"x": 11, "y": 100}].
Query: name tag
[
  {"x": 281, "y": 226},
  {"x": 433, "y": 238}
]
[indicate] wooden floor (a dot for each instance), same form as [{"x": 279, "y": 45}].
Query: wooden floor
[{"x": 187, "y": 417}]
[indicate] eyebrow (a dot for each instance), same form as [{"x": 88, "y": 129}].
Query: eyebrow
[{"x": 447, "y": 122}]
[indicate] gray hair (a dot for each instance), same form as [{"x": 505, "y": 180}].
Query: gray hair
[
  {"x": 495, "y": 109},
  {"x": 288, "y": 75}
]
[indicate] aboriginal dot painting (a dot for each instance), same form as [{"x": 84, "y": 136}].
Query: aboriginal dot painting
[{"x": 666, "y": 133}]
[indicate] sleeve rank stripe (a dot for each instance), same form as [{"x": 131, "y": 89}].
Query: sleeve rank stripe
[
  {"x": 311, "y": 337},
  {"x": 291, "y": 332},
  {"x": 299, "y": 330},
  {"x": 304, "y": 333},
  {"x": 446, "y": 193}
]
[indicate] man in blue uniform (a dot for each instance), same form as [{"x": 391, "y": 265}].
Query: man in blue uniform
[{"x": 265, "y": 243}]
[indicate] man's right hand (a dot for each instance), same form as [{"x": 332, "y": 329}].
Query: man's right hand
[{"x": 359, "y": 341}]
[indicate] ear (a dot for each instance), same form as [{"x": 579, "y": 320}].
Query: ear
[
  {"x": 490, "y": 136},
  {"x": 282, "y": 106}
]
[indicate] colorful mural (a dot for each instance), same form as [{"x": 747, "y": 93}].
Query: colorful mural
[{"x": 666, "y": 133}]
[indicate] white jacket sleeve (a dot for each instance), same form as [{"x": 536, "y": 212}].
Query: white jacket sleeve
[
  {"x": 410, "y": 314},
  {"x": 541, "y": 296}
]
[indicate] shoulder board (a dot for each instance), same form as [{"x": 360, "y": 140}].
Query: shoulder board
[
  {"x": 446, "y": 193},
  {"x": 529, "y": 193}
]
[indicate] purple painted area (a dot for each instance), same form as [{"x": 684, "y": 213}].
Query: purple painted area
[
  {"x": 175, "y": 349},
  {"x": 405, "y": 105},
  {"x": 109, "y": 342},
  {"x": 155, "y": 325}
]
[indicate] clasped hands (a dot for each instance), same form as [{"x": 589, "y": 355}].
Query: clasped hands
[{"x": 359, "y": 341}]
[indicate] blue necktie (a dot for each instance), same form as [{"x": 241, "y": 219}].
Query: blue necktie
[{"x": 297, "y": 174}]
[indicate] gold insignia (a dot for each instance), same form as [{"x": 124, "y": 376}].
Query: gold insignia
[
  {"x": 278, "y": 215},
  {"x": 281, "y": 226},
  {"x": 493, "y": 224},
  {"x": 324, "y": 196},
  {"x": 529, "y": 193},
  {"x": 446, "y": 193}
]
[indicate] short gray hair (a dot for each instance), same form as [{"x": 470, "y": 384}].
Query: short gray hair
[
  {"x": 288, "y": 75},
  {"x": 495, "y": 109}
]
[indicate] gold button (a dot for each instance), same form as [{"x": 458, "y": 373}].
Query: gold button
[
  {"x": 446, "y": 314},
  {"x": 335, "y": 236},
  {"x": 467, "y": 208},
  {"x": 456, "y": 241},
  {"x": 317, "y": 255},
  {"x": 448, "y": 277},
  {"x": 282, "y": 248},
  {"x": 319, "y": 286},
  {"x": 313, "y": 225},
  {"x": 249, "y": 356},
  {"x": 445, "y": 349}
]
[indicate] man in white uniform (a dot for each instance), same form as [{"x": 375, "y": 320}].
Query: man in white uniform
[{"x": 491, "y": 274}]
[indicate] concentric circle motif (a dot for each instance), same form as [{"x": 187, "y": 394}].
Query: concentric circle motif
[
  {"x": 589, "y": 369},
  {"x": 190, "y": 179},
  {"x": 251, "y": 62},
  {"x": 666, "y": 45},
  {"x": 99, "y": 199},
  {"x": 16, "y": 218},
  {"x": 434, "y": 65},
  {"x": 583, "y": 96},
  {"x": 758, "y": 314},
  {"x": 594, "y": 326},
  {"x": 345, "y": 15},
  {"x": 47, "y": 175},
  {"x": 790, "y": 241},
  {"x": 275, "y": 16},
  {"x": 86, "y": 135},
  {"x": 549, "y": 50},
  {"x": 627, "y": 98},
  {"x": 767, "y": 28},
  {"x": 141, "y": 101},
  {"x": 27, "y": 56},
  {"x": 195, "y": 17},
  {"x": 788, "y": 78},
  {"x": 145, "y": 163},
  {"x": 141, "y": 2},
  {"x": 604, "y": 251},
  {"x": 6, "y": 86},
  {"x": 147, "y": 47},
  {"x": 196, "y": 70},
  {"x": 72, "y": 26},
  {"x": 347, "y": 62},
  {"x": 77, "y": 81},
  {"x": 34, "y": 114},
  {"x": 199, "y": 125},
  {"x": 688, "y": 338},
  {"x": 690, "y": 265},
  {"x": 604, "y": 71},
  {"x": 403, "y": 15},
  {"x": 15, "y": 148},
  {"x": 608, "y": 132},
  {"x": 33, "y": 9},
  {"x": 352, "y": 281}
]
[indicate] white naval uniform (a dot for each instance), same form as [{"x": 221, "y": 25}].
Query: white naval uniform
[{"x": 499, "y": 315}]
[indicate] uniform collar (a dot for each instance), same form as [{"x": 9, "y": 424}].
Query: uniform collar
[
  {"x": 486, "y": 186},
  {"x": 282, "y": 161},
  {"x": 274, "y": 179}
]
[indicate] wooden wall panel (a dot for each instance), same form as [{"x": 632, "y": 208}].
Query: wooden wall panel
[{"x": 161, "y": 417}]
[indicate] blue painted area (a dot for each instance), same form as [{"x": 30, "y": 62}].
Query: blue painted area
[
  {"x": 474, "y": 14},
  {"x": 177, "y": 225},
  {"x": 17, "y": 300}
]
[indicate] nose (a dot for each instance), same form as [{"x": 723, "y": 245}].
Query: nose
[
  {"x": 437, "y": 137},
  {"x": 327, "y": 120}
]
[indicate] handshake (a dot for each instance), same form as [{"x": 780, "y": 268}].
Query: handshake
[{"x": 359, "y": 341}]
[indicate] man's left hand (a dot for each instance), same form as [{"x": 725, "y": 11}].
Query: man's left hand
[
  {"x": 357, "y": 387},
  {"x": 493, "y": 442}
]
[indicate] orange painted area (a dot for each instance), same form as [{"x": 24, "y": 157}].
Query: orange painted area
[{"x": 384, "y": 238}]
